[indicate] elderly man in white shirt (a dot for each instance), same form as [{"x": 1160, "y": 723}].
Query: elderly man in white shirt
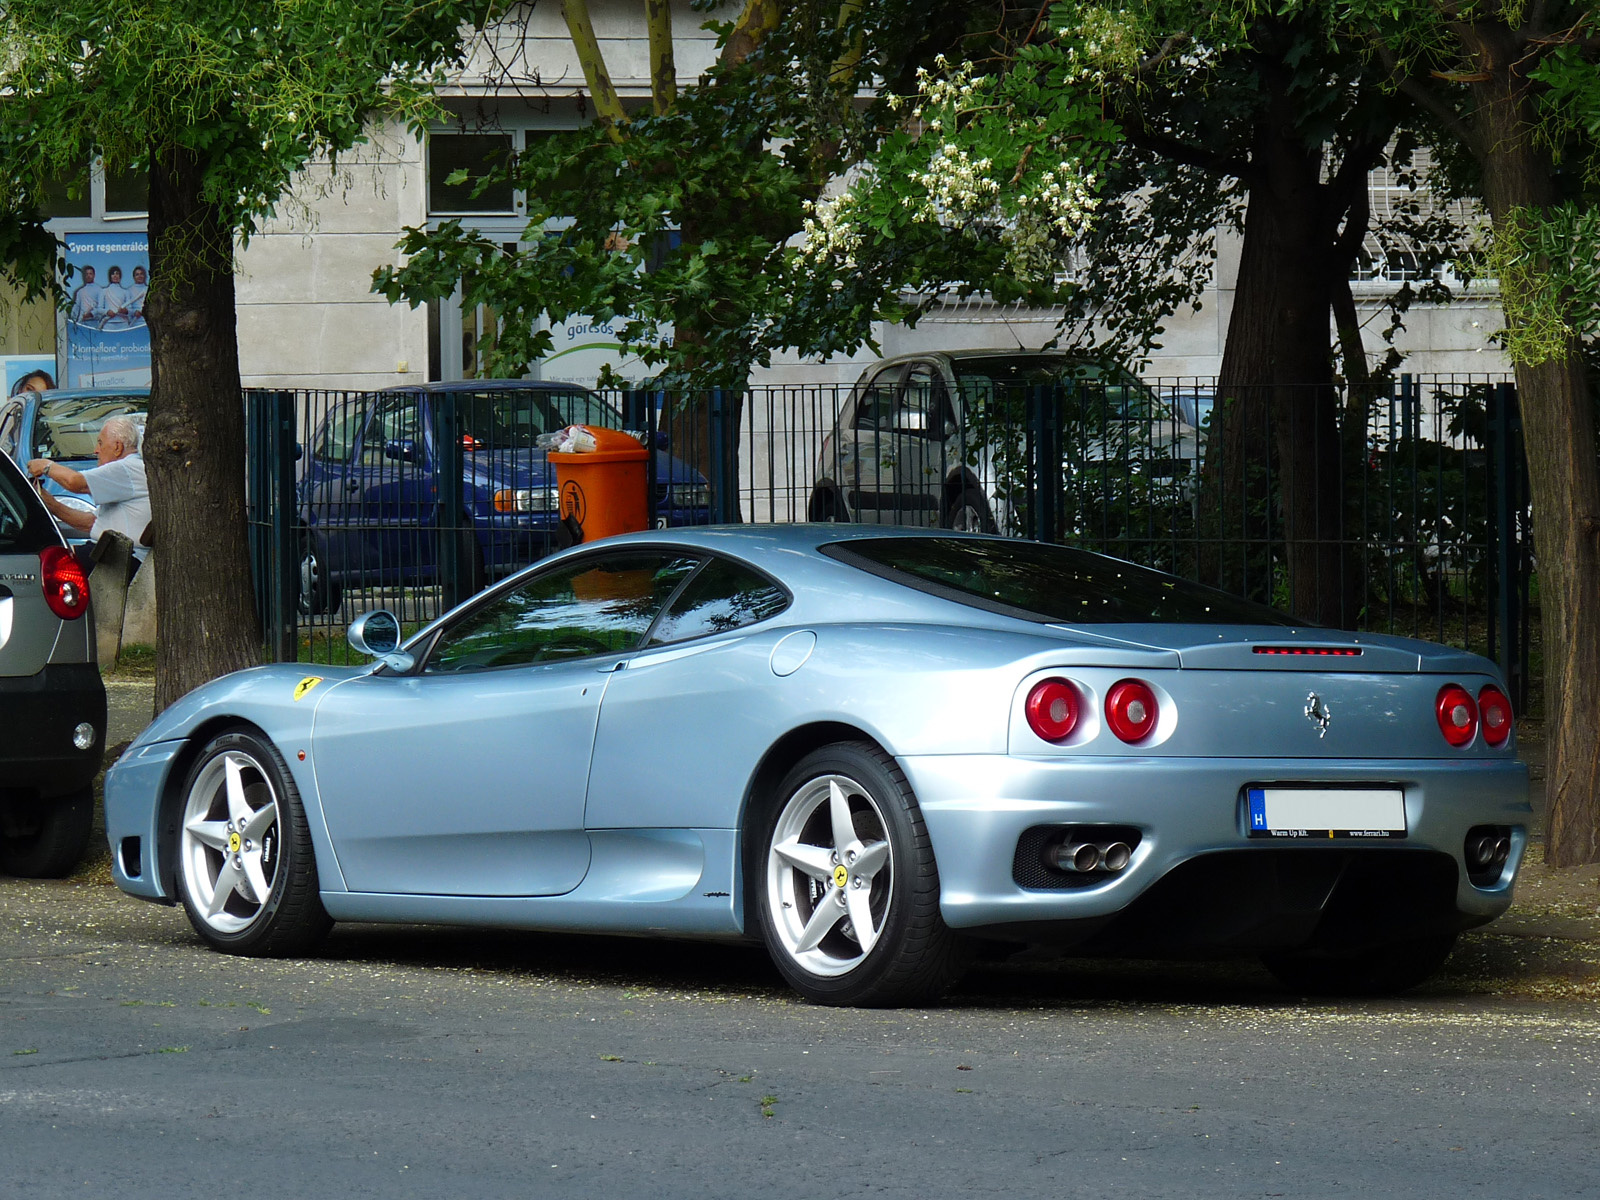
[{"x": 117, "y": 486}]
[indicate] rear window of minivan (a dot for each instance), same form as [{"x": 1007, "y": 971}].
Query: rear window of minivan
[{"x": 25, "y": 526}]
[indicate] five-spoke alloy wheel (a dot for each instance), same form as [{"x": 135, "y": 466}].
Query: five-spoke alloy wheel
[
  {"x": 246, "y": 870},
  {"x": 849, "y": 892}
]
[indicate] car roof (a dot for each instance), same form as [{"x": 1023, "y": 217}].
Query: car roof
[{"x": 486, "y": 385}]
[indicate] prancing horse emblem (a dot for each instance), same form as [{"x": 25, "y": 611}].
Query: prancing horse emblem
[{"x": 1318, "y": 713}]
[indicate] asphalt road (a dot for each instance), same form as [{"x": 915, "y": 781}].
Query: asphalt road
[
  {"x": 441, "y": 1063},
  {"x": 423, "y": 1062}
]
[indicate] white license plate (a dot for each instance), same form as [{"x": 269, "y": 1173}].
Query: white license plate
[{"x": 1288, "y": 812}]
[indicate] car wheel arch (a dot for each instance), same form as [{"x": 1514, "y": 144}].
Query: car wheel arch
[{"x": 777, "y": 762}]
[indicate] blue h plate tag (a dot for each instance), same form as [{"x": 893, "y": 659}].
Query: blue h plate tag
[{"x": 1312, "y": 812}]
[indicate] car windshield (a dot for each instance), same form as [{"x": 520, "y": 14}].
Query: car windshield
[
  {"x": 1049, "y": 583},
  {"x": 982, "y": 379},
  {"x": 68, "y": 426},
  {"x": 511, "y": 420}
]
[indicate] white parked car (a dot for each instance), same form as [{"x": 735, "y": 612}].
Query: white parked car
[{"x": 941, "y": 438}]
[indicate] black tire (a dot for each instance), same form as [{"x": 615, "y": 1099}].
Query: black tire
[
  {"x": 319, "y": 594},
  {"x": 1372, "y": 971},
  {"x": 966, "y": 512},
  {"x": 58, "y": 834},
  {"x": 289, "y": 920},
  {"x": 913, "y": 955},
  {"x": 827, "y": 506}
]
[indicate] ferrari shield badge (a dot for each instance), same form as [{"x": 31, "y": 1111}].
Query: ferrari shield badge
[{"x": 305, "y": 685}]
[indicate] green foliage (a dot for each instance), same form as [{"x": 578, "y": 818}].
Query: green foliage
[
  {"x": 256, "y": 90},
  {"x": 676, "y": 226},
  {"x": 1548, "y": 265}
]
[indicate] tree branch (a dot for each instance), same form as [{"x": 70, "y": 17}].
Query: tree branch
[
  {"x": 1193, "y": 156},
  {"x": 607, "y": 104},
  {"x": 1165, "y": 52},
  {"x": 760, "y": 17},
  {"x": 1428, "y": 98},
  {"x": 663, "y": 69}
]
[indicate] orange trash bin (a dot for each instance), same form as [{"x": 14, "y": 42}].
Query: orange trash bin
[{"x": 605, "y": 490}]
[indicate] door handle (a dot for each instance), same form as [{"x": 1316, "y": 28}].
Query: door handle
[{"x": 352, "y": 485}]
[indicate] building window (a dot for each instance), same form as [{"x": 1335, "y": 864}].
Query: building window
[{"x": 476, "y": 154}]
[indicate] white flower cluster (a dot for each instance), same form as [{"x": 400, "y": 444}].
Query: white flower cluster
[
  {"x": 959, "y": 184},
  {"x": 829, "y": 233},
  {"x": 1106, "y": 42}
]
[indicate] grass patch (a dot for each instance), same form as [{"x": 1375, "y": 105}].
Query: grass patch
[{"x": 135, "y": 661}]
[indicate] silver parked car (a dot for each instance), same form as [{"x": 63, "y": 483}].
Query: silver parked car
[
  {"x": 52, "y": 703},
  {"x": 938, "y": 438},
  {"x": 869, "y": 749}
]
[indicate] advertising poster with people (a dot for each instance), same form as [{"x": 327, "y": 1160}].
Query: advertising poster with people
[
  {"x": 107, "y": 341},
  {"x": 29, "y": 372}
]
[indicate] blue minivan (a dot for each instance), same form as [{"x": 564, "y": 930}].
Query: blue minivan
[{"x": 371, "y": 512}]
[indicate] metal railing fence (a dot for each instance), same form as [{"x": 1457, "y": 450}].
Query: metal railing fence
[{"x": 1399, "y": 510}]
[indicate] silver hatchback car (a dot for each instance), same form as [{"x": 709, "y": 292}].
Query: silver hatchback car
[
  {"x": 52, "y": 702},
  {"x": 938, "y": 438}
]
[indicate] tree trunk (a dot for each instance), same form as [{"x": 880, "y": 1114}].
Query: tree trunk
[
  {"x": 194, "y": 440},
  {"x": 1275, "y": 388},
  {"x": 1563, "y": 478}
]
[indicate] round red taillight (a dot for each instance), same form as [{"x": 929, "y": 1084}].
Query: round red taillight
[
  {"x": 1131, "y": 710},
  {"x": 1053, "y": 708},
  {"x": 1457, "y": 713},
  {"x": 66, "y": 587},
  {"x": 1494, "y": 710}
]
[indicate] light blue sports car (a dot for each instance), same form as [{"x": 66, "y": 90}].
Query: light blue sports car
[{"x": 873, "y": 749}]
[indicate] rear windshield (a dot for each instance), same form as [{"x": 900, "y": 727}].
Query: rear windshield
[
  {"x": 25, "y": 526},
  {"x": 1048, "y": 583},
  {"x": 68, "y": 426}
]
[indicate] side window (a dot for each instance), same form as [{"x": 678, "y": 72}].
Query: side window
[
  {"x": 923, "y": 408},
  {"x": 395, "y": 422},
  {"x": 596, "y": 606},
  {"x": 721, "y": 597},
  {"x": 875, "y": 408},
  {"x": 338, "y": 434}
]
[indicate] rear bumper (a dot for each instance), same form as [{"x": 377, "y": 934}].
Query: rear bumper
[
  {"x": 38, "y": 713},
  {"x": 1185, "y": 810}
]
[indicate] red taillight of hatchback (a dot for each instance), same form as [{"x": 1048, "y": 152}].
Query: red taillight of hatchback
[
  {"x": 1131, "y": 710},
  {"x": 1494, "y": 711},
  {"x": 1053, "y": 709},
  {"x": 66, "y": 587},
  {"x": 1457, "y": 713}
]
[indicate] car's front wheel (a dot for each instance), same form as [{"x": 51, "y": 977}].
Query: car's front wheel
[
  {"x": 966, "y": 512},
  {"x": 1369, "y": 971},
  {"x": 319, "y": 593},
  {"x": 849, "y": 890},
  {"x": 246, "y": 870},
  {"x": 47, "y": 838}
]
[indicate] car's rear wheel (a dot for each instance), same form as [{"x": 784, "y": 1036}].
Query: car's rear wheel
[
  {"x": 49, "y": 836},
  {"x": 1370, "y": 971},
  {"x": 849, "y": 890},
  {"x": 246, "y": 870}
]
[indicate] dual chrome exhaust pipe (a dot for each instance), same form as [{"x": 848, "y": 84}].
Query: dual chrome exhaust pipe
[{"x": 1084, "y": 857}]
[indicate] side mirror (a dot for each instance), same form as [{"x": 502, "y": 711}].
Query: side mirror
[
  {"x": 403, "y": 449},
  {"x": 377, "y": 635},
  {"x": 662, "y": 440}
]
